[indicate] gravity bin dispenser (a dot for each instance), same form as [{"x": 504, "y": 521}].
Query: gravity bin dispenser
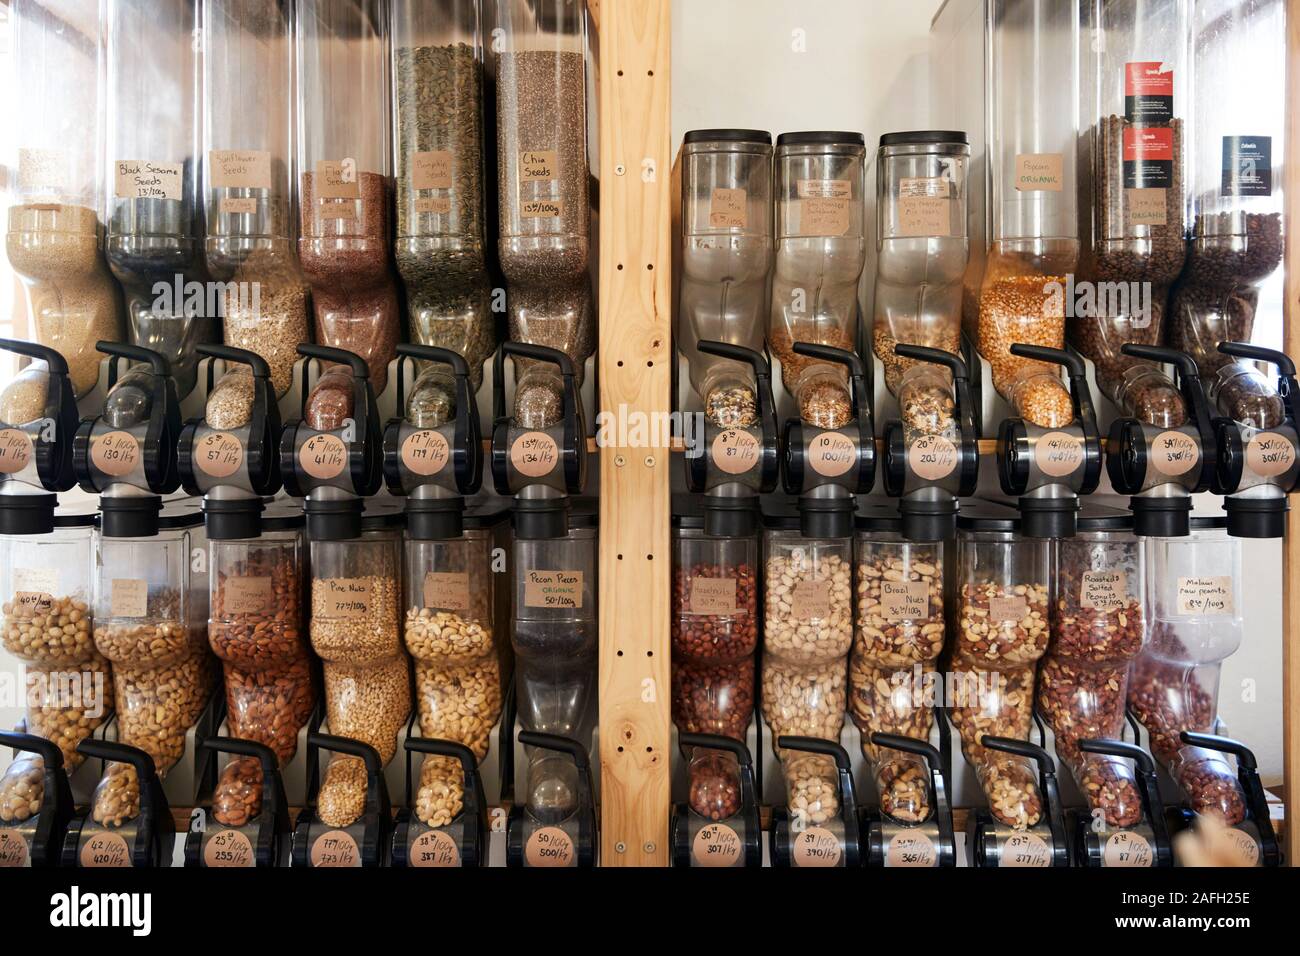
[
  {"x": 1050, "y": 459},
  {"x": 931, "y": 454},
  {"x": 541, "y": 462},
  {"x": 433, "y": 457}
]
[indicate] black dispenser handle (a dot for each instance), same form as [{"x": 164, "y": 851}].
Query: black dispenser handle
[
  {"x": 46, "y": 749},
  {"x": 239, "y": 747},
  {"x": 327, "y": 353},
  {"x": 468, "y": 766},
  {"x": 935, "y": 762},
  {"x": 114, "y": 752},
  {"x": 574, "y": 451},
  {"x": 53, "y": 360},
  {"x": 1080, "y": 399},
  {"x": 1046, "y": 782},
  {"x": 1248, "y": 777},
  {"x": 558, "y": 744},
  {"x": 1286, "y": 384},
  {"x": 256, "y": 364},
  {"x": 468, "y": 435},
  {"x": 965, "y": 407},
  {"x": 1189, "y": 382},
  {"x": 718, "y": 742},
  {"x": 857, "y": 378},
  {"x": 352, "y": 748},
  {"x": 1148, "y": 787},
  {"x": 1120, "y": 748},
  {"x": 762, "y": 382},
  {"x": 844, "y": 767},
  {"x": 157, "y": 363}
]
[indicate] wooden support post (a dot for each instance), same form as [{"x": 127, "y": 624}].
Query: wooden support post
[
  {"x": 635, "y": 377},
  {"x": 1291, "y": 544}
]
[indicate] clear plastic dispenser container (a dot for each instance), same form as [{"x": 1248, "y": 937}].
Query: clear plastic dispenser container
[
  {"x": 450, "y": 627},
  {"x": 1132, "y": 162},
  {"x": 45, "y": 614},
  {"x": 1234, "y": 171},
  {"x": 1161, "y": 463},
  {"x": 931, "y": 456},
  {"x": 543, "y": 191},
  {"x": 332, "y": 456},
  {"x": 715, "y": 624},
  {"x": 348, "y": 820},
  {"x": 345, "y": 175},
  {"x": 922, "y": 245},
  {"x": 356, "y": 596},
  {"x": 1197, "y": 595},
  {"x": 155, "y": 232},
  {"x": 999, "y": 622},
  {"x": 1259, "y": 464},
  {"x": 150, "y": 611},
  {"x": 1050, "y": 457},
  {"x": 726, "y": 260},
  {"x": 554, "y": 626},
  {"x": 898, "y": 636},
  {"x": 439, "y": 110},
  {"x": 54, "y": 238},
  {"x": 820, "y": 249},
  {"x": 248, "y": 183},
  {"x": 1099, "y": 623},
  {"x": 1033, "y": 111}
]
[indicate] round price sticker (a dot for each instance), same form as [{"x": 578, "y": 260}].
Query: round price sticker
[
  {"x": 716, "y": 845},
  {"x": 335, "y": 848},
  {"x": 323, "y": 456},
  {"x": 1127, "y": 848},
  {"x": 434, "y": 849},
  {"x": 228, "y": 848},
  {"x": 15, "y": 451},
  {"x": 816, "y": 846},
  {"x": 104, "y": 850},
  {"x": 115, "y": 453},
  {"x": 549, "y": 847},
  {"x": 735, "y": 451},
  {"x": 832, "y": 454},
  {"x": 219, "y": 454},
  {"x": 1058, "y": 454},
  {"x": 425, "y": 453},
  {"x": 932, "y": 457}
]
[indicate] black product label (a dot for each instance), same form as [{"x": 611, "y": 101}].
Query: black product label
[
  {"x": 1247, "y": 166},
  {"x": 1148, "y": 92},
  {"x": 1148, "y": 157}
]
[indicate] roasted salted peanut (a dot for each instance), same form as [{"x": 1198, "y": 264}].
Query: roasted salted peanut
[{"x": 157, "y": 706}]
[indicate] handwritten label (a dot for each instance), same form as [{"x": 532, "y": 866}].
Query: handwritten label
[
  {"x": 1104, "y": 590},
  {"x": 735, "y": 451},
  {"x": 1008, "y": 608},
  {"x": 431, "y": 170},
  {"x": 337, "y": 210},
  {"x": 15, "y": 451},
  {"x": 823, "y": 217},
  {"x": 434, "y": 205},
  {"x": 344, "y": 597},
  {"x": 434, "y": 849},
  {"x": 1127, "y": 849},
  {"x": 713, "y": 596},
  {"x": 811, "y": 600},
  {"x": 141, "y": 179},
  {"x": 728, "y": 208},
  {"x": 251, "y": 594},
  {"x": 831, "y": 454},
  {"x": 1025, "y": 850},
  {"x": 446, "y": 590},
  {"x": 549, "y": 847},
  {"x": 323, "y": 456},
  {"x": 425, "y": 452},
  {"x": 105, "y": 850},
  {"x": 716, "y": 845},
  {"x": 1147, "y": 207},
  {"x": 1174, "y": 454},
  {"x": 1058, "y": 454},
  {"x": 240, "y": 168},
  {"x": 228, "y": 849},
  {"x": 335, "y": 848},
  {"x": 1247, "y": 846},
  {"x": 336, "y": 179},
  {"x": 128, "y": 597},
  {"x": 115, "y": 454},
  {"x": 1039, "y": 172},
  {"x": 1268, "y": 454},
  {"x": 13, "y": 849},
  {"x": 553, "y": 589},
  {"x": 924, "y": 206},
  {"x": 44, "y": 580},
  {"x": 535, "y": 454},
  {"x": 538, "y": 164},
  {"x": 1205, "y": 597},
  {"x": 816, "y": 847},
  {"x": 42, "y": 169},
  {"x": 541, "y": 209},
  {"x": 905, "y": 600},
  {"x": 219, "y": 454},
  {"x": 911, "y": 849},
  {"x": 932, "y": 457},
  {"x": 237, "y": 206}
]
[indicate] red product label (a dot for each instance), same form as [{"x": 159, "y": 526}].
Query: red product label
[
  {"x": 1147, "y": 79},
  {"x": 1154, "y": 143}
]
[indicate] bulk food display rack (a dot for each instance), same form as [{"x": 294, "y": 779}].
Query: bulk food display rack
[{"x": 636, "y": 352}]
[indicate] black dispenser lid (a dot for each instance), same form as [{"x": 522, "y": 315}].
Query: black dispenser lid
[
  {"x": 27, "y": 514},
  {"x": 1049, "y": 517},
  {"x": 929, "y": 520},
  {"x": 727, "y": 517},
  {"x": 1257, "y": 517},
  {"x": 1161, "y": 517},
  {"x": 335, "y": 519},
  {"x": 234, "y": 518},
  {"x": 133, "y": 516}
]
